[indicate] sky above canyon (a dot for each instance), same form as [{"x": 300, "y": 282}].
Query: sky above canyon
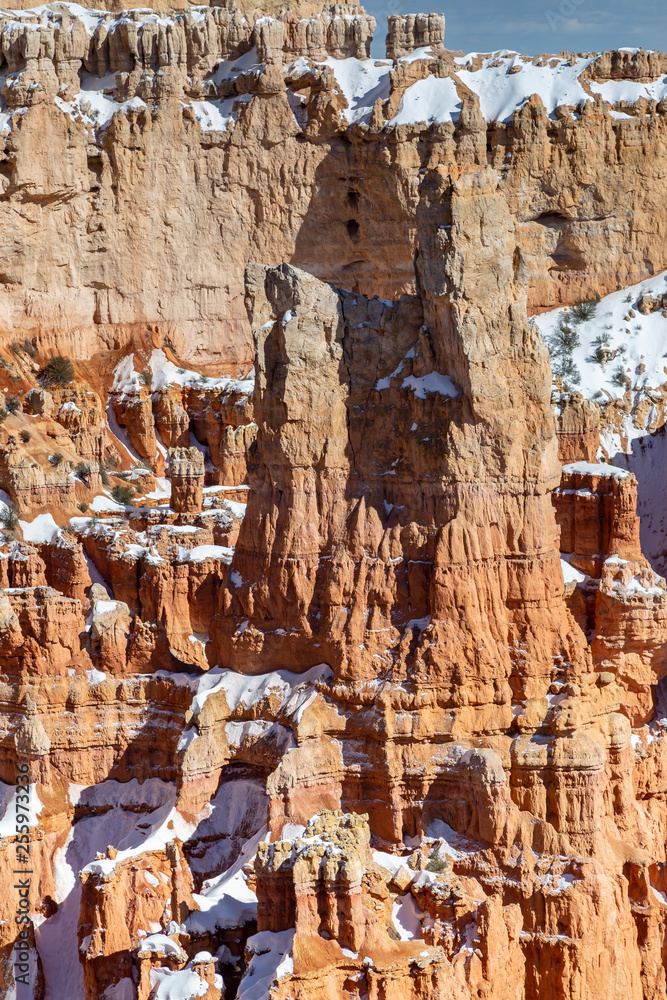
[{"x": 534, "y": 26}]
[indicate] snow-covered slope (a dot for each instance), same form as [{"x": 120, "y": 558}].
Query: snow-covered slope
[
  {"x": 631, "y": 352},
  {"x": 622, "y": 363}
]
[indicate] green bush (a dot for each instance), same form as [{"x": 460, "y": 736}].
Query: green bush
[
  {"x": 620, "y": 378},
  {"x": 600, "y": 354},
  {"x": 14, "y": 404},
  {"x": 25, "y": 435},
  {"x": 122, "y": 493},
  {"x": 3, "y": 415},
  {"x": 56, "y": 459},
  {"x": 83, "y": 506},
  {"x": 58, "y": 371},
  {"x": 568, "y": 371},
  {"x": 585, "y": 309},
  {"x": 564, "y": 339},
  {"x": 104, "y": 476},
  {"x": 9, "y": 519},
  {"x": 146, "y": 377},
  {"x": 561, "y": 344},
  {"x": 82, "y": 470}
]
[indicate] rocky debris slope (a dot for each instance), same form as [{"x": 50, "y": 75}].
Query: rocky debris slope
[{"x": 336, "y": 659}]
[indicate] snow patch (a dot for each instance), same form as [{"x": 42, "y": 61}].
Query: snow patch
[{"x": 40, "y": 530}]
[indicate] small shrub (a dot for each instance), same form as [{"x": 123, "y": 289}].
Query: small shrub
[
  {"x": 82, "y": 470},
  {"x": 568, "y": 371},
  {"x": 104, "y": 476},
  {"x": 564, "y": 339},
  {"x": 111, "y": 462},
  {"x": 585, "y": 310},
  {"x": 3, "y": 415},
  {"x": 437, "y": 864},
  {"x": 83, "y": 506},
  {"x": 146, "y": 377},
  {"x": 14, "y": 404},
  {"x": 16, "y": 347},
  {"x": 600, "y": 354},
  {"x": 56, "y": 459},
  {"x": 25, "y": 436},
  {"x": 620, "y": 378},
  {"x": 122, "y": 493},
  {"x": 122, "y": 475},
  {"x": 58, "y": 371},
  {"x": 9, "y": 519},
  {"x": 30, "y": 348}
]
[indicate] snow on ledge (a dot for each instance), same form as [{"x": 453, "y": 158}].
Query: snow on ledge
[
  {"x": 247, "y": 690},
  {"x": 594, "y": 469},
  {"x": 570, "y": 574},
  {"x": 160, "y": 942},
  {"x": 41, "y": 530},
  {"x": 433, "y": 382}
]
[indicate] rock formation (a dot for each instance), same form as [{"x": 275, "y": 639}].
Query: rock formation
[
  {"x": 332, "y": 649},
  {"x": 187, "y": 479}
]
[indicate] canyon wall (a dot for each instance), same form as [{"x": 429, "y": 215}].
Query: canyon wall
[{"x": 153, "y": 177}]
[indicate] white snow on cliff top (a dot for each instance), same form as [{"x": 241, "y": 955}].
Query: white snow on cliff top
[
  {"x": 504, "y": 82},
  {"x": 505, "y": 88},
  {"x": 91, "y": 18}
]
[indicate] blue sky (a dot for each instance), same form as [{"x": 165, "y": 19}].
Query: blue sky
[{"x": 534, "y": 26}]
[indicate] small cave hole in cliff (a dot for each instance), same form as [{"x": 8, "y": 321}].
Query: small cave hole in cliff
[
  {"x": 353, "y": 229},
  {"x": 565, "y": 242}
]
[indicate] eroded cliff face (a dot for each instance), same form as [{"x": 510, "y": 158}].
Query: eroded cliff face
[
  {"x": 328, "y": 635},
  {"x": 157, "y": 159}
]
